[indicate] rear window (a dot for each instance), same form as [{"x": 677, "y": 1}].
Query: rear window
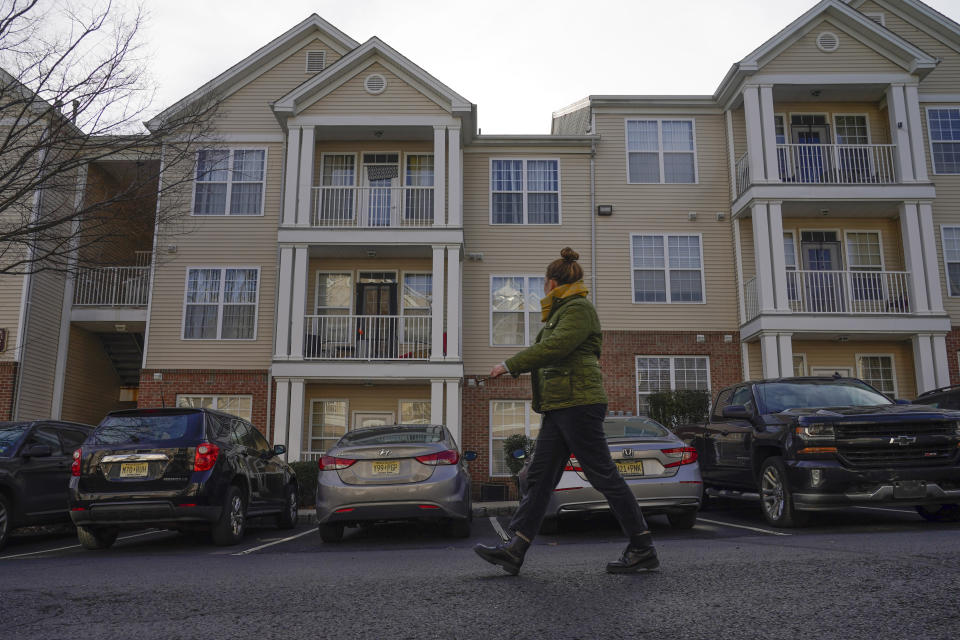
[
  {"x": 634, "y": 428},
  {"x": 394, "y": 435},
  {"x": 10, "y": 436},
  {"x": 149, "y": 428}
]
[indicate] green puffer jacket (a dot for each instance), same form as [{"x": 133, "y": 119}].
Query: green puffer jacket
[{"x": 564, "y": 360}]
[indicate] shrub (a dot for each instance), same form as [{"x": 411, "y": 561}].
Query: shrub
[
  {"x": 511, "y": 444},
  {"x": 672, "y": 408},
  {"x": 306, "y": 482}
]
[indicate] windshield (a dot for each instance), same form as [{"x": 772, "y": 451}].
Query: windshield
[
  {"x": 10, "y": 435},
  {"x": 149, "y": 428},
  {"x": 816, "y": 394},
  {"x": 393, "y": 435},
  {"x": 634, "y": 428}
]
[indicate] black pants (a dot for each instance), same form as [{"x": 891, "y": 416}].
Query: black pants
[{"x": 577, "y": 430}]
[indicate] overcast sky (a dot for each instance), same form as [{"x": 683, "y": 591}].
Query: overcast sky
[{"x": 517, "y": 60}]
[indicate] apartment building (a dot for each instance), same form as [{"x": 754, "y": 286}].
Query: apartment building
[{"x": 353, "y": 253}]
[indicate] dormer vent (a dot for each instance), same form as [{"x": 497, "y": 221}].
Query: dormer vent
[
  {"x": 375, "y": 83},
  {"x": 828, "y": 41},
  {"x": 316, "y": 61}
]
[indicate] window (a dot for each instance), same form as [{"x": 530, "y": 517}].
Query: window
[
  {"x": 669, "y": 373},
  {"x": 240, "y": 406},
  {"x": 661, "y": 152},
  {"x": 515, "y": 310},
  {"x": 790, "y": 261},
  {"x": 851, "y": 129},
  {"x": 336, "y": 195},
  {"x": 328, "y": 423},
  {"x": 45, "y": 436},
  {"x": 525, "y": 192},
  {"x": 864, "y": 255},
  {"x": 418, "y": 198},
  {"x": 229, "y": 182},
  {"x": 667, "y": 268},
  {"x": 417, "y": 302},
  {"x": 221, "y": 304},
  {"x": 877, "y": 371},
  {"x": 333, "y": 293},
  {"x": 414, "y": 412},
  {"x": 509, "y": 418},
  {"x": 944, "y": 124},
  {"x": 950, "y": 237},
  {"x": 799, "y": 364}
]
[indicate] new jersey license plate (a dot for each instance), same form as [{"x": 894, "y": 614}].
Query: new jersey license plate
[
  {"x": 386, "y": 467},
  {"x": 630, "y": 468},
  {"x": 133, "y": 470}
]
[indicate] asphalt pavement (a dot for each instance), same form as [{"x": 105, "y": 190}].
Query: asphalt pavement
[{"x": 858, "y": 573}]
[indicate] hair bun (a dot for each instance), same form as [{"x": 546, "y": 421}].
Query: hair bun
[{"x": 569, "y": 255}]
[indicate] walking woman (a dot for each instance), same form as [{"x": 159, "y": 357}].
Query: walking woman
[{"x": 568, "y": 391}]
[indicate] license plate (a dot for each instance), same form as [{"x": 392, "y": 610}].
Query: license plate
[
  {"x": 386, "y": 467},
  {"x": 630, "y": 468},
  {"x": 910, "y": 489},
  {"x": 133, "y": 470}
]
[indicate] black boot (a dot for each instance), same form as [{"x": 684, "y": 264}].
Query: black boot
[
  {"x": 508, "y": 555},
  {"x": 638, "y": 556}
]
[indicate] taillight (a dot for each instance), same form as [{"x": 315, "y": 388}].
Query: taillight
[
  {"x": 75, "y": 465},
  {"x": 449, "y": 456},
  {"x": 205, "y": 457},
  {"x": 686, "y": 455},
  {"x": 573, "y": 465},
  {"x": 332, "y": 463}
]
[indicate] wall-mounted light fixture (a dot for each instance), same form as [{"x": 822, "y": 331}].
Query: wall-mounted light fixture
[
  {"x": 720, "y": 216},
  {"x": 692, "y": 216},
  {"x": 476, "y": 257},
  {"x": 604, "y": 209},
  {"x": 701, "y": 338}
]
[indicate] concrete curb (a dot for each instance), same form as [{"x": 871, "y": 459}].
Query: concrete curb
[{"x": 480, "y": 510}]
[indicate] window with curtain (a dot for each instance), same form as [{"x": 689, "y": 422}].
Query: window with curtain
[
  {"x": 670, "y": 373},
  {"x": 328, "y": 423},
  {"x": 229, "y": 182},
  {"x": 667, "y": 268},
  {"x": 221, "y": 304},
  {"x": 240, "y": 406},
  {"x": 661, "y": 152},
  {"x": 515, "y": 310},
  {"x": 877, "y": 371},
  {"x": 508, "y": 418},
  {"x": 338, "y": 177},
  {"x": 944, "y": 126},
  {"x": 414, "y": 412},
  {"x": 525, "y": 191},
  {"x": 951, "y": 258},
  {"x": 418, "y": 180}
]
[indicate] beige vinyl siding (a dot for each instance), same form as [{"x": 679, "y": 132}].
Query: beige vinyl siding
[
  {"x": 830, "y": 353},
  {"x": 946, "y": 211},
  {"x": 747, "y": 256},
  {"x": 355, "y": 265},
  {"x": 38, "y": 360},
  {"x": 755, "y": 360},
  {"x": 399, "y": 98},
  {"x": 515, "y": 249},
  {"x": 664, "y": 208},
  {"x": 11, "y": 294},
  {"x": 91, "y": 386},
  {"x": 216, "y": 241},
  {"x": 739, "y": 133},
  {"x": 878, "y": 123},
  {"x": 852, "y": 56}
]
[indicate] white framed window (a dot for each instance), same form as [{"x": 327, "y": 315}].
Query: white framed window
[
  {"x": 334, "y": 293},
  {"x": 220, "y": 303},
  {"x": 865, "y": 256},
  {"x": 944, "y": 128},
  {"x": 509, "y": 418},
  {"x": 877, "y": 370},
  {"x": 800, "y": 364},
  {"x": 851, "y": 128},
  {"x": 670, "y": 373},
  {"x": 950, "y": 239},
  {"x": 418, "y": 180},
  {"x": 334, "y": 202},
  {"x": 414, "y": 411},
  {"x": 667, "y": 268},
  {"x": 524, "y": 191},
  {"x": 515, "y": 310},
  {"x": 661, "y": 151},
  {"x": 238, "y": 405},
  {"x": 229, "y": 182},
  {"x": 790, "y": 262},
  {"x": 416, "y": 303},
  {"x": 328, "y": 423}
]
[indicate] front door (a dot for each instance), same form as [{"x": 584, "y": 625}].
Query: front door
[
  {"x": 820, "y": 254},
  {"x": 377, "y": 321},
  {"x": 372, "y": 419},
  {"x": 381, "y": 180}
]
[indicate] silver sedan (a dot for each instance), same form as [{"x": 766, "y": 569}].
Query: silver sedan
[
  {"x": 398, "y": 472},
  {"x": 660, "y": 469}
]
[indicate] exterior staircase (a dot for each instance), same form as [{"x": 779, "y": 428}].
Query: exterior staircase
[{"x": 125, "y": 351}]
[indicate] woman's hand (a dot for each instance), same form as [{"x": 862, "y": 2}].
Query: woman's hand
[{"x": 498, "y": 370}]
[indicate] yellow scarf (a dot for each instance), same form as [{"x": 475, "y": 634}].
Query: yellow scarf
[{"x": 563, "y": 291}]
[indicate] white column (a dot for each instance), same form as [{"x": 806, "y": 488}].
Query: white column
[
  {"x": 915, "y": 131},
  {"x": 913, "y": 256},
  {"x": 305, "y": 189},
  {"x": 281, "y": 414},
  {"x": 455, "y": 179},
  {"x": 941, "y": 369},
  {"x": 436, "y": 351},
  {"x": 738, "y": 263},
  {"x": 281, "y": 350},
  {"x": 454, "y": 289},
  {"x": 778, "y": 258},
  {"x": 770, "y": 355},
  {"x": 923, "y": 362},
  {"x": 751, "y": 110},
  {"x": 298, "y": 305},
  {"x": 439, "y": 175},
  {"x": 436, "y": 402},
  {"x": 291, "y": 172},
  {"x": 295, "y": 441},
  {"x": 899, "y": 132},
  {"x": 762, "y": 257},
  {"x": 731, "y": 154},
  {"x": 453, "y": 411},
  {"x": 785, "y": 354},
  {"x": 931, "y": 266},
  {"x": 769, "y": 133}
]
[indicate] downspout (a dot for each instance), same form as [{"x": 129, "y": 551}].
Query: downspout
[{"x": 593, "y": 221}]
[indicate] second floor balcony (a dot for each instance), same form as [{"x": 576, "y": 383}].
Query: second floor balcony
[
  {"x": 372, "y": 207},
  {"x": 112, "y": 287},
  {"x": 367, "y": 337}
]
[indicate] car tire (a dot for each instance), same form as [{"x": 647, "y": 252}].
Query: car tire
[
  {"x": 331, "y": 532},
  {"x": 94, "y": 538},
  {"x": 287, "y": 519},
  {"x": 685, "y": 519},
  {"x": 940, "y": 512},
  {"x": 459, "y": 528},
  {"x": 232, "y": 524},
  {"x": 6, "y": 520},
  {"x": 776, "y": 497},
  {"x": 550, "y": 526}
]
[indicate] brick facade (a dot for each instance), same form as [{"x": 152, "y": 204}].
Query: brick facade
[
  {"x": 953, "y": 349},
  {"x": 8, "y": 389}
]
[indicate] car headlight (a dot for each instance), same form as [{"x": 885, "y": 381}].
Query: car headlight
[{"x": 816, "y": 431}]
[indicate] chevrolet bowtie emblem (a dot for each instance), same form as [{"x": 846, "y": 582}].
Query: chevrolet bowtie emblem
[{"x": 903, "y": 441}]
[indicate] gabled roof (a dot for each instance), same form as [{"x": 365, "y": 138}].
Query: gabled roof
[
  {"x": 258, "y": 62},
  {"x": 923, "y": 16},
  {"x": 349, "y": 65}
]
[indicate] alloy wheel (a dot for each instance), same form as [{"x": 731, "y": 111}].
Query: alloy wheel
[
  {"x": 236, "y": 516},
  {"x": 294, "y": 512},
  {"x": 772, "y": 493}
]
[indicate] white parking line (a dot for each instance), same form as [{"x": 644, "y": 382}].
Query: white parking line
[
  {"x": 76, "y": 546},
  {"x": 270, "y": 544},
  {"x": 743, "y": 526},
  {"x": 886, "y": 509},
  {"x": 496, "y": 527}
]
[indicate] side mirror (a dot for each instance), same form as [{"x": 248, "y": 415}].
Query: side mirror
[
  {"x": 737, "y": 412},
  {"x": 519, "y": 454},
  {"x": 38, "y": 451},
  {"x": 470, "y": 456},
  {"x": 279, "y": 449}
]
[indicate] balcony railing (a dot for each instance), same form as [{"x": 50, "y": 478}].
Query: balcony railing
[
  {"x": 351, "y": 337},
  {"x": 112, "y": 287},
  {"x": 372, "y": 207},
  {"x": 828, "y": 164},
  {"x": 860, "y": 292},
  {"x": 743, "y": 174},
  {"x": 750, "y": 302}
]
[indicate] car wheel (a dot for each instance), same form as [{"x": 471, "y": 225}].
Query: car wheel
[
  {"x": 331, "y": 532},
  {"x": 550, "y": 526},
  {"x": 940, "y": 512},
  {"x": 776, "y": 498},
  {"x": 459, "y": 528},
  {"x": 5, "y": 517},
  {"x": 685, "y": 519},
  {"x": 92, "y": 538},
  {"x": 288, "y": 517},
  {"x": 232, "y": 524}
]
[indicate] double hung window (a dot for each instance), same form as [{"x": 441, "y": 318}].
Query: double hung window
[
  {"x": 667, "y": 268},
  {"x": 414, "y": 412},
  {"x": 240, "y": 406},
  {"x": 328, "y": 423},
  {"x": 229, "y": 182},
  {"x": 417, "y": 304},
  {"x": 864, "y": 257},
  {"x": 221, "y": 303},
  {"x": 509, "y": 418},
  {"x": 670, "y": 373},
  {"x": 661, "y": 152},
  {"x": 878, "y": 371},
  {"x": 524, "y": 191},
  {"x": 515, "y": 310},
  {"x": 951, "y": 257},
  {"x": 338, "y": 177},
  {"x": 944, "y": 125},
  {"x": 418, "y": 182}
]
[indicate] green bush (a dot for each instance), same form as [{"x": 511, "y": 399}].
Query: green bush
[
  {"x": 511, "y": 444},
  {"x": 672, "y": 408},
  {"x": 306, "y": 482}
]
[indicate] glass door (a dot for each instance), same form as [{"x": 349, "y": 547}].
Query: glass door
[
  {"x": 381, "y": 179},
  {"x": 812, "y": 161},
  {"x": 377, "y": 324},
  {"x": 823, "y": 275}
]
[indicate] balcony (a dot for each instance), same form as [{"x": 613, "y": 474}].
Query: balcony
[
  {"x": 372, "y": 207},
  {"x": 112, "y": 287},
  {"x": 367, "y": 338}
]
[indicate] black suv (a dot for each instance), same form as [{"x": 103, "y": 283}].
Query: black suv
[
  {"x": 181, "y": 469},
  {"x": 805, "y": 444},
  {"x": 35, "y": 471}
]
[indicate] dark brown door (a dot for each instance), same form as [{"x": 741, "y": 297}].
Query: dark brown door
[{"x": 377, "y": 324}]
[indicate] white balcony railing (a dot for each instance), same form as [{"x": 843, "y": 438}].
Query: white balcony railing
[
  {"x": 837, "y": 163},
  {"x": 751, "y": 304},
  {"x": 859, "y": 292},
  {"x": 112, "y": 287},
  {"x": 743, "y": 174},
  {"x": 352, "y": 337},
  {"x": 372, "y": 207}
]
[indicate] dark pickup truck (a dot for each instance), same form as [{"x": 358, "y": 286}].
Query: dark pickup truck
[{"x": 807, "y": 444}]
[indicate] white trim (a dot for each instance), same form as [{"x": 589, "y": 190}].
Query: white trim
[
  {"x": 660, "y": 151},
  {"x": 400, "y": 402},
  {"x": 933, "y": 161},
  {"x": 666, "y": 267},
  {"x": 354, "y": 370},
  {"x": 316, "y": 289},
  {"x": 241, "y": 138},
  {"x": 945, "y": 98},
  {"x": 828, "y": 79},
  {"x": 229, "y": 182},
  {"x": 401, "y": 307},
  {"x": 217, "y": 396},
  {"x": 806, "y": 368},
  {"x": 846, "y": 250},
  {"x": 943, "y": 251},
  {"x": 220, "y": 303},
  {"x": 673, "y": 379},
  {"x": 866, "y": 122},
  {"x": 527, "y": 410},
  {"x": 893, "y": 369},
  {"x": 347, "y": 427},
  {"x": 866, "y": 325},
  {"x": 526, "y": 192},
  {"x": 826, "y": 49},
  {"x": 526, "y": 318},
  {"x": 323, "y": 61},
  {"x": 372, "y": 120}
]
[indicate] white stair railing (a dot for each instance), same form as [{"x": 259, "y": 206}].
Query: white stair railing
[{"x": 112, "y": 287}]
